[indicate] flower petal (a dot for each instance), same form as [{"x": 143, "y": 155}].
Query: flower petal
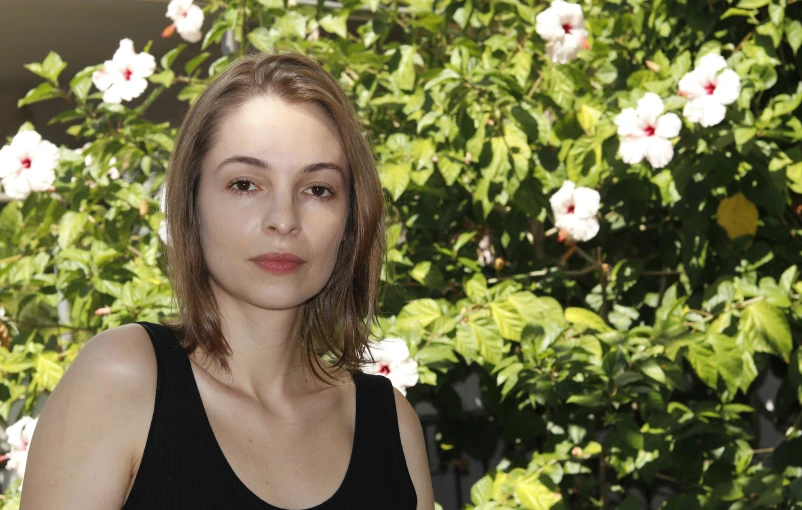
[
  {"x": 586, "y": 202},
  {"x": 563, "y": 198},
  {"x": 579, "y": 229},
  {"x": 668, "y": 125},
  {"x": 16, "y": 187},
  {"x": 628, "y": 123},
  {"x": 650, "y": 106},
  {"x": 728, "y": 87},
  {"x": 632, "y": 150},
  {"x": 548, "y": 25},
  {"x": 659, "y": 151},
  {"x": 691, "y": 85},
  {"x": 705, "y": 110},
  {"x": 562, "y": 51},
  {"x": 709, "y": 65}
]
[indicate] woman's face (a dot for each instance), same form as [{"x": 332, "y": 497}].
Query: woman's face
[{"x": 275, "y": 181}]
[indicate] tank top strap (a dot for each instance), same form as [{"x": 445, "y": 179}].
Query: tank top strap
[
  {"x": 380, "y": 440},
  {"x": 174, "y": 440}
]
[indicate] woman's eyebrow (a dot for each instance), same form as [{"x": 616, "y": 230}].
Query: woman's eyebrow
[{"x": 260, "y": 163}]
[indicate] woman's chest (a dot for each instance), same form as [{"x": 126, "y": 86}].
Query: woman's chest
[{"x": 290, "y": 462}]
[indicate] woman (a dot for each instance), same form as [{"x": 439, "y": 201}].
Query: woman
[{"x": 274, "y": 215}]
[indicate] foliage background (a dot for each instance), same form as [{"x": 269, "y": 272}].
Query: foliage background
[{"x": 605, "y": 367}]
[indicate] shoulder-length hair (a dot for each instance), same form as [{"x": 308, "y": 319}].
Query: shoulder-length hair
[{"x": 337, "y": 320}]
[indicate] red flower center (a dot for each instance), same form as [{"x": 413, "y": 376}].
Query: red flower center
[
  {"x": 384, "y": 369},
  {"x": 710, "y": 88},
  {"x": 127, "y": 74},
  {"x": 570, "y": 209},
  {"x": 26, "y": 163},
  {"x": 567, "y": 27},
  {"x": 649, "y": 130}
]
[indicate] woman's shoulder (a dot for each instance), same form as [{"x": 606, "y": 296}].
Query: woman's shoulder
[
  {"x": 122, "y": 355},
  {"x": 94, "y": 424}
]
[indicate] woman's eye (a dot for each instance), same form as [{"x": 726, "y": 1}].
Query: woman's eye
[
  {"x": 242, "y": 186},
  {"x": 320, "y": 192}
]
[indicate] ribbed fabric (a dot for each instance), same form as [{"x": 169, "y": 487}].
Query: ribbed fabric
[{"x": 183, "y": 466}]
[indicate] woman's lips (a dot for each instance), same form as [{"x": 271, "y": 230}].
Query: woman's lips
[{"x": 278, "y": 267}]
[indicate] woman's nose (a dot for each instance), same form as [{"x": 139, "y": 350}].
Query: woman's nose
[{"x": 281, "y": 214}]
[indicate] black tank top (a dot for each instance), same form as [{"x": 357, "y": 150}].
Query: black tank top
[{"x": 183, "y": 466}]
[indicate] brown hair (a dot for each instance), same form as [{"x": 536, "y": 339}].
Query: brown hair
[{"x": 337, "y": 320}]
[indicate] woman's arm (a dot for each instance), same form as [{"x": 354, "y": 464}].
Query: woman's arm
[
  {"x": 93, "y": 428},
  {"x": 414, "y": 451}
]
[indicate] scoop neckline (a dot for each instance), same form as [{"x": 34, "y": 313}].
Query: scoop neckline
[{"x": 244, "y": 489}]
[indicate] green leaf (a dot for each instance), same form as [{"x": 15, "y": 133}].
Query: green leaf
[
  {"x": 587, "y": 400},
  {"x": 586, "y": 318},
  {"x": 703, "y": 360},
  {"x": 404, "y": 75},
  {"x": 263, "y": 39},
  {"x": 164, "y": 78},
  {"x": 482, "y": 490},
  {"x": 50, "y": 68},
  {"x": 653, "y": 369},
  {"x": 513, "y": 313},
  {"x": 521, "y": 67},
  {"x": 335, "y": 24},
  {"x": 450, "y": 169},
  {"x": 81, "y": 83},
  {"x": 41, "y": 93},
  {"x": 777, "y": 14},
  {"x": 476, "y": 288},
  {"x": 499, "y": 164},
  {"x": 752, "y": 4},
  {"x": 219, "y": 27},
  {"x": 768, "y": 329},
  {"x": 729, "y": 361},
  {"x": 395, "y": 178},
  {"x": 169, "y": 57},
  {"x": 744, "y": 134},
  {"x": 193, "y": 64},
  {"x": 480, "y": 334},
  {"x": 47, "y": 371},
  {"x": 71, "y": 227},
  {"x": 293, "y": 24},
  {"x": 771, "y": 30},
  {"x": 419, "y": 312},
  {"x": 793, "y": 34},
  {"x": 534, "y": 495}
]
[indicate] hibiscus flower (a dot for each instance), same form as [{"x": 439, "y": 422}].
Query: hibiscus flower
[
  {"x": 124, "y": 77},
  {"x": 646, "y": 133},
  {"x": 187, "y": 20},
  {"x": 393, "y": 361},
  {"x": 19, "y": 439},
  {"x": 27, "y": 164},
  {"x": 710, "y": 87},
  {"x": 562, "y": 25},
  {"x": 575, "y": 211}
]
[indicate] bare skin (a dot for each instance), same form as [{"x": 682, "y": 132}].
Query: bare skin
[{"x": 88, "y": 443}]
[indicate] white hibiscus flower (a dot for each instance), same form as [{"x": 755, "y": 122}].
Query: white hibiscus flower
[
  {"x": 710, "y": 87},
  {"x": 27, "y": 164},
  {"x": 575, "y": 211},
  {"x": 124, "y": 77},
  {"x": 187, "y": 20},
  {"x": 19, "y": 439},
  {"x": 393, "y": 361},
  {"x": 647, "y": 133},
  {"x": 562, "y": 25}
]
